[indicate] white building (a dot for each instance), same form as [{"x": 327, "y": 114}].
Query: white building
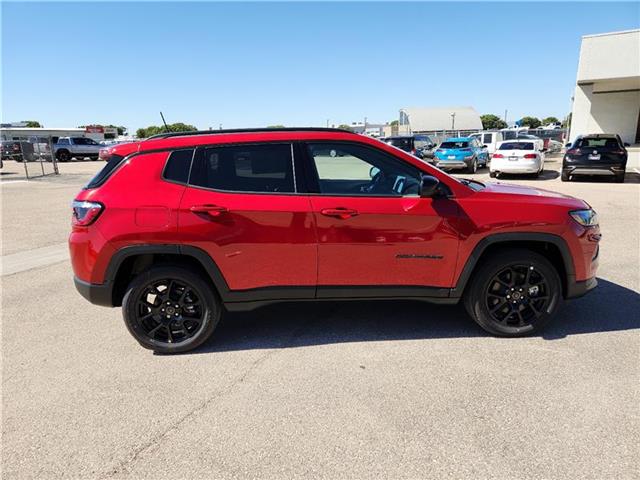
[
  {"x": 425, "y": 120},
  {"x": 607, "y": 94}
]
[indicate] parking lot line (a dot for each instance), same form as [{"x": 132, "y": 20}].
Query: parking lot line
[{"x": 38, "y": 257}]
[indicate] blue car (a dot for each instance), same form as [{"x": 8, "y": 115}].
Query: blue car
[{"x": 462, "y": 152}]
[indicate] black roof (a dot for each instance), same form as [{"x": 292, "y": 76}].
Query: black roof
[{"x": 247, "y": 130}]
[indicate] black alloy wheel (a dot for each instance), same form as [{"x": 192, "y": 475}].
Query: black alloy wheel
[
  {"x": 170, "y": 309},
  {"x": 63, "y": 156},
  {"x": 513, "y": 293},
  {"x": 517, "y": 296}
]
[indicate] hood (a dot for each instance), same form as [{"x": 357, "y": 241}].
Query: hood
[{"x": 536, "y": 193}]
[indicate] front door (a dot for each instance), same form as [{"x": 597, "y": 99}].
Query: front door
[
  {"x": 375, "y": 233},
  {"x": 242, "y": 208}
]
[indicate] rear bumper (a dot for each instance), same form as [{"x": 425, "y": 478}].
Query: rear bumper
[
  {"x": 444, "y": 164},
  {"x": 604, "y": 170},
  {"x": 98, "y": 294},
  {"x": 576, "y": 289},
  {"x": 519, "y": 166}
]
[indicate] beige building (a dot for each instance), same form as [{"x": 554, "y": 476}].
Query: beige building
[{"x": 607, "y": 94}]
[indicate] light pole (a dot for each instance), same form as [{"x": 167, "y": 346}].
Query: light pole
[{"x": 453, "y": 121}]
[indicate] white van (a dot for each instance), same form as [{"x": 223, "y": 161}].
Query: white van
[{"x": 490, "y": 139}]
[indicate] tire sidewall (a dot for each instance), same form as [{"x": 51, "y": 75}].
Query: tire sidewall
[
  {"x": 211, "y": 305},
  {"x": 476, "y": 303}
]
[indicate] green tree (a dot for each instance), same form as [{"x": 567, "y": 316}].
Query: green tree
[
  {"x": 394, "y": 123},
  {"x": 275, "y": 126},
  {"x": 33, "y": 124},
  {"x": 492, "y": 122},
  {"x": 172, "y": 127},
  {"x": 548, "y": 120},
  {"x": 531, "y": 122},
  {"x": 345, "y": 127}
]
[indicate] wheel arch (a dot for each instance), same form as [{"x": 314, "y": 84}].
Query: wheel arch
[
  {"x": 129, "y": 261},
  {"x": 551, "y": 246}
]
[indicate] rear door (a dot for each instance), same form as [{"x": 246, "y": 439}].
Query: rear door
[
  {"x": 243, "y": 209},
  {"x": 374, "y": 230}
]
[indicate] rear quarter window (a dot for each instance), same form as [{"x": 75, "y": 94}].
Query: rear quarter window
[
  {"x": 178, "y": 166},
  {"x": 107, "y": 170}
]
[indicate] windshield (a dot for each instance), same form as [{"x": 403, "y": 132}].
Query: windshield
[
  {"x": 402, "y": 143},
  {"x": 516, "y": 146},
  {"x": 474, "y": 185},
  {"x": 454, "y": 145}
]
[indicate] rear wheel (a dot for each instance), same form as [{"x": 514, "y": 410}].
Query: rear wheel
[
  {"x": 564, "y": 177},
  {"x": 63, "y": 155},
  {"x": 514, "y": 294},
  {"x": 473, "y": 167},
  {"x": 493, "y": 174},
  {"x": 170, "y": 309},
  {"x": 619, "y": 178}
]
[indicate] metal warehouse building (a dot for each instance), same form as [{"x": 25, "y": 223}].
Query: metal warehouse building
[
  {"x": 424, "y": 120},
  {"x": 607, "y": 94}
]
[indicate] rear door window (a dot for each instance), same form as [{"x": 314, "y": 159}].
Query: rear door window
[{"x": 264, "y": 168}]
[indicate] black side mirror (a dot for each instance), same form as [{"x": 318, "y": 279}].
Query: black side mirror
[
  {"x": 567, "y": 144},
  {"x": 626, "y": 144},
  {"x": 429, "y": 186}
]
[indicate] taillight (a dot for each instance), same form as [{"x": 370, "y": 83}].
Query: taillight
[
  {"x": 85, "y": 213},
  {"x": 497, "y": 155},
  {"x": 573, "y": 151},
  {"x": 530, "y": 155}
]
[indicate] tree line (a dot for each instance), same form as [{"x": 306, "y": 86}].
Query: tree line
[{"x": 494, "y": 122}]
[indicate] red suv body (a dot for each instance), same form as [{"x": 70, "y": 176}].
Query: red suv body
[{"x": 179, "y": 227}]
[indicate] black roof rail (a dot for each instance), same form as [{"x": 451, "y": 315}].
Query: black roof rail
[{"x": 246, "y": 130}]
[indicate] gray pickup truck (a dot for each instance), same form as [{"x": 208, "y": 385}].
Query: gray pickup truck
[{"x": 76, "y": 147}]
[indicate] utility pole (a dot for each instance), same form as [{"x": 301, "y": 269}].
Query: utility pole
[
  {"x": 505, "y": 115},
  {"x": 220, "y": 127},
  {"x": 453, "y": 121}
]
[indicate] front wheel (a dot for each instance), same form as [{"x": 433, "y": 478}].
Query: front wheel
[
  {"x": 170, "y": 309},
  {"x": 619, "y": 178},
  {"x": 564, "y": 177},
  {"x": 514, "y": 293}
]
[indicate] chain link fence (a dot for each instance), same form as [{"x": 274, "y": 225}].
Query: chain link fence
[{"x": 35, "y": 153}]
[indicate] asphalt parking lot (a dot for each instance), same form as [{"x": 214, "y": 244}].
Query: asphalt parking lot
[{"x": 351, "y": 390}]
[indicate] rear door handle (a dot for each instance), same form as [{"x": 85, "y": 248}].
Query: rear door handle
[
  {"x": 339, "y": 212},
  {"x": 213, "y": 210}
]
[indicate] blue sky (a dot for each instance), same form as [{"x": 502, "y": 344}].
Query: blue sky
[{"x": 254, "y": 64}]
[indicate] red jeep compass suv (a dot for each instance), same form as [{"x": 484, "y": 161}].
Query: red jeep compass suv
[{"x": 179, "y": 227}]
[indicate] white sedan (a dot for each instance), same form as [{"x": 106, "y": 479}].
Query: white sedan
[{"x": 517, "y": 156}]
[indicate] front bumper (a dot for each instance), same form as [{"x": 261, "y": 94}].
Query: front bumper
[
  {"x": 98, "y": 294},
  {"x": 576, "y": 289}
]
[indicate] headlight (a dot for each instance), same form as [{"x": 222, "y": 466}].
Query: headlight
[{"x": 586, "y": 218}]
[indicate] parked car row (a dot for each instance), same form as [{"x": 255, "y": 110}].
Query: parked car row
[
  {"x": 39, "y": 148},
  {"x": 522, "y": 153}
]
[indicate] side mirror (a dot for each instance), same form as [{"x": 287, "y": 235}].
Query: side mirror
[
  {"x": 429, "y": 186},
  {"x": 626, "y": 144},
  {"x": 567, "y": 144}
]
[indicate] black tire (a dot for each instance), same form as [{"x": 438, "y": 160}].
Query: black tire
[
  {"x": 513, "y": 293},
  {"x": 473, "y": 168},
  {"x": 619, "y": 178},
  {"x": 146, "y": 302},
  {"x": 564, "y": 176},
  {"x": 63, "y": 155},
  {"x": 493, "y": 174}
]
